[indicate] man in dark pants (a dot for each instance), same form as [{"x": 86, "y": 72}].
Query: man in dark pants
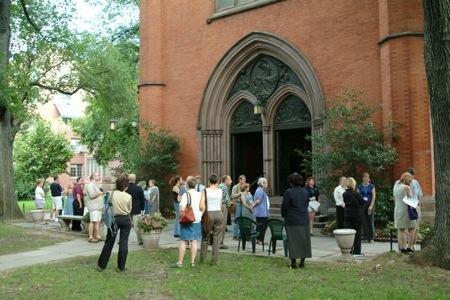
[
  {"x": 78, "y": 203},
  {"x": 138, "y": 204},
  {"x": 340, "y": 205},
  {"x": 121, "y": 203}
]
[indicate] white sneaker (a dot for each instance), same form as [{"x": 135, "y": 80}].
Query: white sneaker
[{"x": 56, "y": 219}]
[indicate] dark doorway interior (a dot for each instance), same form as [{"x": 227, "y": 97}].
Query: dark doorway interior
[
  {"x": 288, "y": 159},
  {"x": 247, "y": 150}
]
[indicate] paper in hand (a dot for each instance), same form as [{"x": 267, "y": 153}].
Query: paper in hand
[
  {"x": 314, "y": 204},
  {"x": 411, "y": 202}
]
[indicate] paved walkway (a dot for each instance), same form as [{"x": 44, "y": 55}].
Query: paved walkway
[{"x": 324, "y": 248}]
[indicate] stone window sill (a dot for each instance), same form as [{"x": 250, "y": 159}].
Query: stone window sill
[{"x": 239, "y": 9}]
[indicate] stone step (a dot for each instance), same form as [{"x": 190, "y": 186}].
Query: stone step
[
  {"x": 321, "y": 218},
  {"x": 319, "y": 224}
]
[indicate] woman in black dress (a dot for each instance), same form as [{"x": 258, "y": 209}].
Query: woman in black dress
[
  {"x": 294, "y": 210},
  {"x": 313, "y": 195},
  {"x": 353, "y": 213}
]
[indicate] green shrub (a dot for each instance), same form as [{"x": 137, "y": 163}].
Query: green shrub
[{"x": 384, "y": 204}]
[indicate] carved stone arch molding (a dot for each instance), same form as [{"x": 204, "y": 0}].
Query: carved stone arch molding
[{"x": 216, "y": 109}]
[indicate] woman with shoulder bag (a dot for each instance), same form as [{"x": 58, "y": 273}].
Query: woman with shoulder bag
[
  {"x": 121, "y": 204},
  {"x": 191, "y": 210}
]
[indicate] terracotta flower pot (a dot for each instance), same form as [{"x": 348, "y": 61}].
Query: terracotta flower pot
[{"x": 345, "y": 239}]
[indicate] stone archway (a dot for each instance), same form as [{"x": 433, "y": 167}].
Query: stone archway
[{"x": 220, "y": 100}]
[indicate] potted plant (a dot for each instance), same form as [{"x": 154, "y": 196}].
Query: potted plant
[{"x": 151, "y": 227}]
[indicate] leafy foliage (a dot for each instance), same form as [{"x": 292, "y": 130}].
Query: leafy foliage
[
  {"x": 158, "y": 157},
  {"x": 351, "y": 144},
  {"x": 154, "y": 222},
  {"x": 40, "y": 58},
  {"x": 111, "y": 94},
  {"x": 40, "y": 153}
]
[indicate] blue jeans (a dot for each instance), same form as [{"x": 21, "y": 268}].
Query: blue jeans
[{"x": 176, "y": 206}]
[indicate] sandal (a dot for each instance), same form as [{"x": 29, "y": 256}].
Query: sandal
[
  {"x": 176, "y": 265},
  {"x": 93, "y": 241}
]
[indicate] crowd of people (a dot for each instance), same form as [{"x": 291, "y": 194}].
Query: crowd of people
[
  {"x": 355, "y": 209},
  {"x": 89, "y": 199},
  {"x": 213, "y": 205}
]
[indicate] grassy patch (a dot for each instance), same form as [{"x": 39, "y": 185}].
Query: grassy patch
[
  {"x": 15, "y": 239},
  {"x": 237, "y": 277},
  {"x": 27, "y": 205}
]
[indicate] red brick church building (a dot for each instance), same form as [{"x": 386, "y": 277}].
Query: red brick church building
[{"x": 207, "y": 65}]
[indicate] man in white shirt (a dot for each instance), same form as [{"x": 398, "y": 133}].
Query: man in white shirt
[
  {"x": 95, "y": 207},
  {"x": 340, "y": 205}
]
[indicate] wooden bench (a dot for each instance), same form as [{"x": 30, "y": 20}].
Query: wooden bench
[{"x": 65, "y": 220}]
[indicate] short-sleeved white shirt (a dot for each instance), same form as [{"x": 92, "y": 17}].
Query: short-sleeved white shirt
[{"x": 195, "y": 203}]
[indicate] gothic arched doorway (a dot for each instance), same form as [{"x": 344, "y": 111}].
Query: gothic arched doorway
[
  {"x": 292, "y": 124},
  {"x": 246, "y": 144},
  {"x": 259, "y": 71}
]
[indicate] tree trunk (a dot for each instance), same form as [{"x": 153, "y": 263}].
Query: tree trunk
[
  {"x": 8, "y": 201},
  {"x": 437, "y": 57}
]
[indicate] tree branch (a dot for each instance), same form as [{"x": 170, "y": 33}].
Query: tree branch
[
  {"x": 127, "y": 31},
  {"x": 56, "y": 89},
  {"x": 27, "y": 15}
]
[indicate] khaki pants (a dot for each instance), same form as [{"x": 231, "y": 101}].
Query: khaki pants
[
  {"x": 135, "y": 219},
  {"x": 216, "y": 224},
  {"x": 225, "y": 219}
]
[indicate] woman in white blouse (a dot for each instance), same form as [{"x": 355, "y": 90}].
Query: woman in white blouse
[
  {"x": 212, "y": 197},
  {"x": 39, "y": 195}
]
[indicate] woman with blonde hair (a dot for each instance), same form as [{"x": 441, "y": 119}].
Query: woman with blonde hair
[
  {"x": 402, "y": 221},
  {"x": 68, "y": 205},
  {"x": 353, "y": 213},
  {"x": 39, "y": 195}
]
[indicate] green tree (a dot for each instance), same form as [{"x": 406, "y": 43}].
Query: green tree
[
  {"x": 158, "y": 156},
  {"x": 110, "y": 73},
  {"x": 437, "y": 65},
  {"x": 40, "y": 153},
  {"x": 351, "y": 144},
  {"x": 35, "y": 47}
]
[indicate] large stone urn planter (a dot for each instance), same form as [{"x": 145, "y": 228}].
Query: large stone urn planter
[
  {"x": 40, "y": 215},
  {"x": 345, "y": 239},
  {"x": 151, "y": 239}
]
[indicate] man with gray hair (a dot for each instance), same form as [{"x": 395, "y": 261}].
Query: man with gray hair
[
  {"x": 137, "y": 204},
  {"x": 261, "y": 208}
]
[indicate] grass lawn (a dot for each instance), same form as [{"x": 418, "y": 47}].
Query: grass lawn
[
  {"x": 15, "y": 239},
  {"x": 27, "y": 205},
  {"x": 237, "y": 277}
]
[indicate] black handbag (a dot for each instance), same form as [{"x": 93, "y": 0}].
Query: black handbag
[{"x": 412, "y": 213}]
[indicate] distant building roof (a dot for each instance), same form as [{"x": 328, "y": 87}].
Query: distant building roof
[{"x": 68, "y": 108}]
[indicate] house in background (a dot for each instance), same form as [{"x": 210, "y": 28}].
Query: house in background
[{"x": 60, "y": 111}]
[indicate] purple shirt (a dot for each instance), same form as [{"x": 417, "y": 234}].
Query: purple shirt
[
  {"x": 77, "y": 190},
  {"x": 261, "y": 210}
]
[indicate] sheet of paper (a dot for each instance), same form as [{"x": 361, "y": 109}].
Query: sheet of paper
[
  {"x": 314, "y": 204},
  {"x": 411, "y": 202}
]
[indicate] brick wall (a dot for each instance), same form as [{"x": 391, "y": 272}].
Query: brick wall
[{"x": 340, "y": 39}]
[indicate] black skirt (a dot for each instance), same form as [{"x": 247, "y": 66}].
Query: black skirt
[{"x": 299, "y": 241}]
